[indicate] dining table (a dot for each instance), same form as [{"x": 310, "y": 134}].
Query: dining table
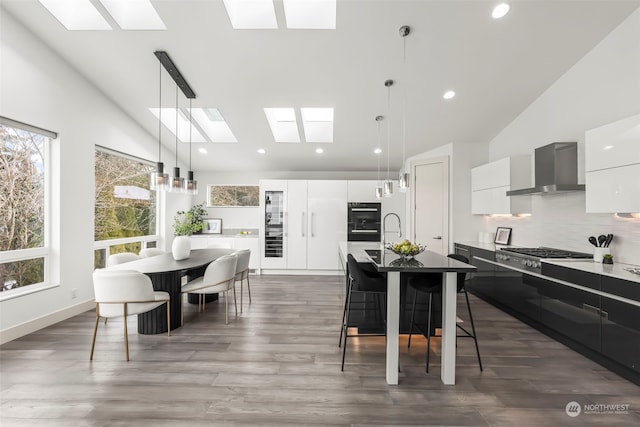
[
  {"x": 166, "y": 274},
  {"x": 394, "y": 265}
]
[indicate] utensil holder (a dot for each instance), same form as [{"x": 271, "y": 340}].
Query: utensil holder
[{"x": 599, "y": 253}]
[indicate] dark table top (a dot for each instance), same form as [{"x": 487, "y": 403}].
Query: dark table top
[
  {"x": 165, "y": 263},
  {"x": 425, "y": 262}
]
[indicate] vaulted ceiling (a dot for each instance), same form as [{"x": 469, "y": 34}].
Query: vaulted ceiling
[{"x": 496, "y": 67}]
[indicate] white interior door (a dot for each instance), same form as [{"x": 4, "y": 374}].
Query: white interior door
[{"x": 430, "y": 219}]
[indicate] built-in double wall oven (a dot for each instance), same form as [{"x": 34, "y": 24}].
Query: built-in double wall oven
[{"x": 364, "y": 222}]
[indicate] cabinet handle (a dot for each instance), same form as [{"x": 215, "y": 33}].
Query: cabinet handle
[
  {"x": 302, "y": 225},
  {"x": 438, "y": 238},
  {"x": 313, "y": 225}
]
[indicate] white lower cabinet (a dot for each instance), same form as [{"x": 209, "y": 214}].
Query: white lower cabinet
[{"x": 238, "y": 243}]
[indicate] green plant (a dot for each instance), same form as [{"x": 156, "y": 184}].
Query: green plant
[{"x": 186, "y": 223}]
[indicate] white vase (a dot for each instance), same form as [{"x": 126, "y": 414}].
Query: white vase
[{"x": 181, "y": 247}]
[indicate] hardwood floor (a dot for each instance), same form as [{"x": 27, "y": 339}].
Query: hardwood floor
[{"x": 278, "y": 364}]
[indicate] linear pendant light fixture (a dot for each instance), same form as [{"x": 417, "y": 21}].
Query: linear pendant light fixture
[
  {"x": 388, "y": 184},
  {"x": 159, "y": 181},
  {"x": 403, "y": 181},
  {"x": 379, "y": 183},
  {"x": 176, "y": 184}
]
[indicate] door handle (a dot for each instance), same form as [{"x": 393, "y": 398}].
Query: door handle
[
  {"x": 302, "y": 225},
  {"x": 313, "y": 226},
  {"x": 437, "y": 237}
]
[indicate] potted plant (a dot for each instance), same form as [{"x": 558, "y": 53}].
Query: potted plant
[
  {"x": 186, "y": 223},
  {"x": 607, "y": 259}
]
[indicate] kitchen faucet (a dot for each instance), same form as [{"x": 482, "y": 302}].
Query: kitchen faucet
[{"x": 383, "y": 227}]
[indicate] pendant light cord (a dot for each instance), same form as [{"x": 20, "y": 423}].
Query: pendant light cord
[
  {"x": 404, "y": 97},
  {"x": 160, "y": 113},
  {"x": 190, "y": 127},
  {"x": 388, "y": 129},
  {"x": 379, "y": 140},
  {"x": 176, "y": 125}
]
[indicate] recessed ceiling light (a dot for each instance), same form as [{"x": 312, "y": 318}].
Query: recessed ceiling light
[
  {"x": 319, "y": 150},
  {"x": 251, "y": 14},
  {"x": 377, "y": 151},
  {"x": 283, "y": 123},
  {"x": 76, "y": 15},
  {"x": 500, "y": 10},
  {"x": 310, "y": 14},
  {"x": 607, "y": 147},
  {"x": 449, "y": 94},
  {"x": 134, "y": 15},
  {"x": 317, "y": 124},
  {"x": 261, "y": 150},
  {"x": 202, "y": 150}
]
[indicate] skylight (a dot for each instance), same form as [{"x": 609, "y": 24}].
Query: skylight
[
  {"x": 76, "y": 15},
  {"x": 284, "y": 126},
  {"x": 310, "y": 14},
  {"x": 169, "y": 120},
  {"x": 318, "y": 124},
  {"x": 213, "y": 124},
  {"x": 251, "y": 14},
  {"x": 134, "y": 14}
]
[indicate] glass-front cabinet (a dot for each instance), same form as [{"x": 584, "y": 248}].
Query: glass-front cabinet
[{"x": 273, "y": 224}]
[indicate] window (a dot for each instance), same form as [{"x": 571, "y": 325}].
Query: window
[
  {"x": 24, "y": 246},
  {"x": 125, "y": 207}
]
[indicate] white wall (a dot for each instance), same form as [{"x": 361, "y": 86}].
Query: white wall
[
  {"x": 39, "y": 88},
  {"x": 602, "y": 87}
]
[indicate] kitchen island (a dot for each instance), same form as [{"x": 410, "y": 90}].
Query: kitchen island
[{"x": 393, "y": 265}]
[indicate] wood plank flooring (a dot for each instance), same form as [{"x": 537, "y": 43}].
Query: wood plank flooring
[{"x": 278, "y": 364}]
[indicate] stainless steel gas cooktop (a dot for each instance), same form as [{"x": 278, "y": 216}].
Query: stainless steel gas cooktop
[{"x": 529, "y": 258}]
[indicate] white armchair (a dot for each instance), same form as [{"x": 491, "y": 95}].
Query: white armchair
[
  {"x": 121, "y": 258},
  {"x": 219, "y": 276},
  {"x": 123, "y": 293}
]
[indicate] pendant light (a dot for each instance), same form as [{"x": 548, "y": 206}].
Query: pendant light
[
  {"x": 403, "y": 181},
  {"x": 388, "y": 184},
  {"x": 190, "y": 184},
  {"x": 177, "y": 183},
  {"x": 159, "y": 180},
  {"x": 379, "y": 183}
]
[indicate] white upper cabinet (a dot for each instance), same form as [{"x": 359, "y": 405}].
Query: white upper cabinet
[
  {"x": 612, "y": 159},
  {"x": 613, "y": 145},
  {"x": 490, "y": 183}
]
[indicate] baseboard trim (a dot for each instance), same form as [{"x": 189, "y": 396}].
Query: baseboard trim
[{"x": 34, "y": 325}]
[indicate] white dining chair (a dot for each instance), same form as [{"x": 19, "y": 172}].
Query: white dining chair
[
  {"x": 242, "y": 272},
  {"x": 218, "y": 277},
  {"x": 121, "y": 258},
  {"x": 149, "y": 252},
  {"x": 123, "y": 293}
]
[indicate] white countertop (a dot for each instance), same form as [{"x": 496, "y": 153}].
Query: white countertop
[
  {"x": 232, "y": 232},
  {"x": 616, "y": 270},
  {"x": 487, "y": 246}
]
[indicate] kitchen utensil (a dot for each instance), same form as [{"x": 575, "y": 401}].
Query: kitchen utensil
[
  {"x": 593, "y": 241},
  {"x": 608, "y": 241},
  {"x": 601, "y": 239}
]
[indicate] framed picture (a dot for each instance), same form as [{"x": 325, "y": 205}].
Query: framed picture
[
  {"x": 233, "y": 196},
  {"x": 212, "y": 226},
  {"x": 503, "y": 236}
]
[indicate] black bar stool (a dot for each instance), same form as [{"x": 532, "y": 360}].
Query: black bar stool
[{"x": 431, "y": 284}]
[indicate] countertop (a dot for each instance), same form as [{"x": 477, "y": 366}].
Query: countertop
[
  {"x": 616, "y": 270},
  {"x": 232, "y": 232}
]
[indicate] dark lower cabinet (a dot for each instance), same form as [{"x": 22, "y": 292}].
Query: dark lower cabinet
[
  {"x": 604, "y": 329},
  {"x": 621, "y": 323}
]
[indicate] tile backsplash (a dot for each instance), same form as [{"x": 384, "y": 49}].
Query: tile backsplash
[{"x": 560, "y": 221}]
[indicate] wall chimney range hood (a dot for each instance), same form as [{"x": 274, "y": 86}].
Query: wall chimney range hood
[{"x": 556, "y": 170}]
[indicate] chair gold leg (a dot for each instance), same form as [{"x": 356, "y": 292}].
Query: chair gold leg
[
  {"x": 168, "y": 318},
  {"x": 248, "y": 287},
  {"x": 126, "y": 336},
  {"x": 226, "y": 307},
  {"x": 235, "y": 303},
  {"x": 241, "y": 292},
  {"x": 95, "y": 331}
]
